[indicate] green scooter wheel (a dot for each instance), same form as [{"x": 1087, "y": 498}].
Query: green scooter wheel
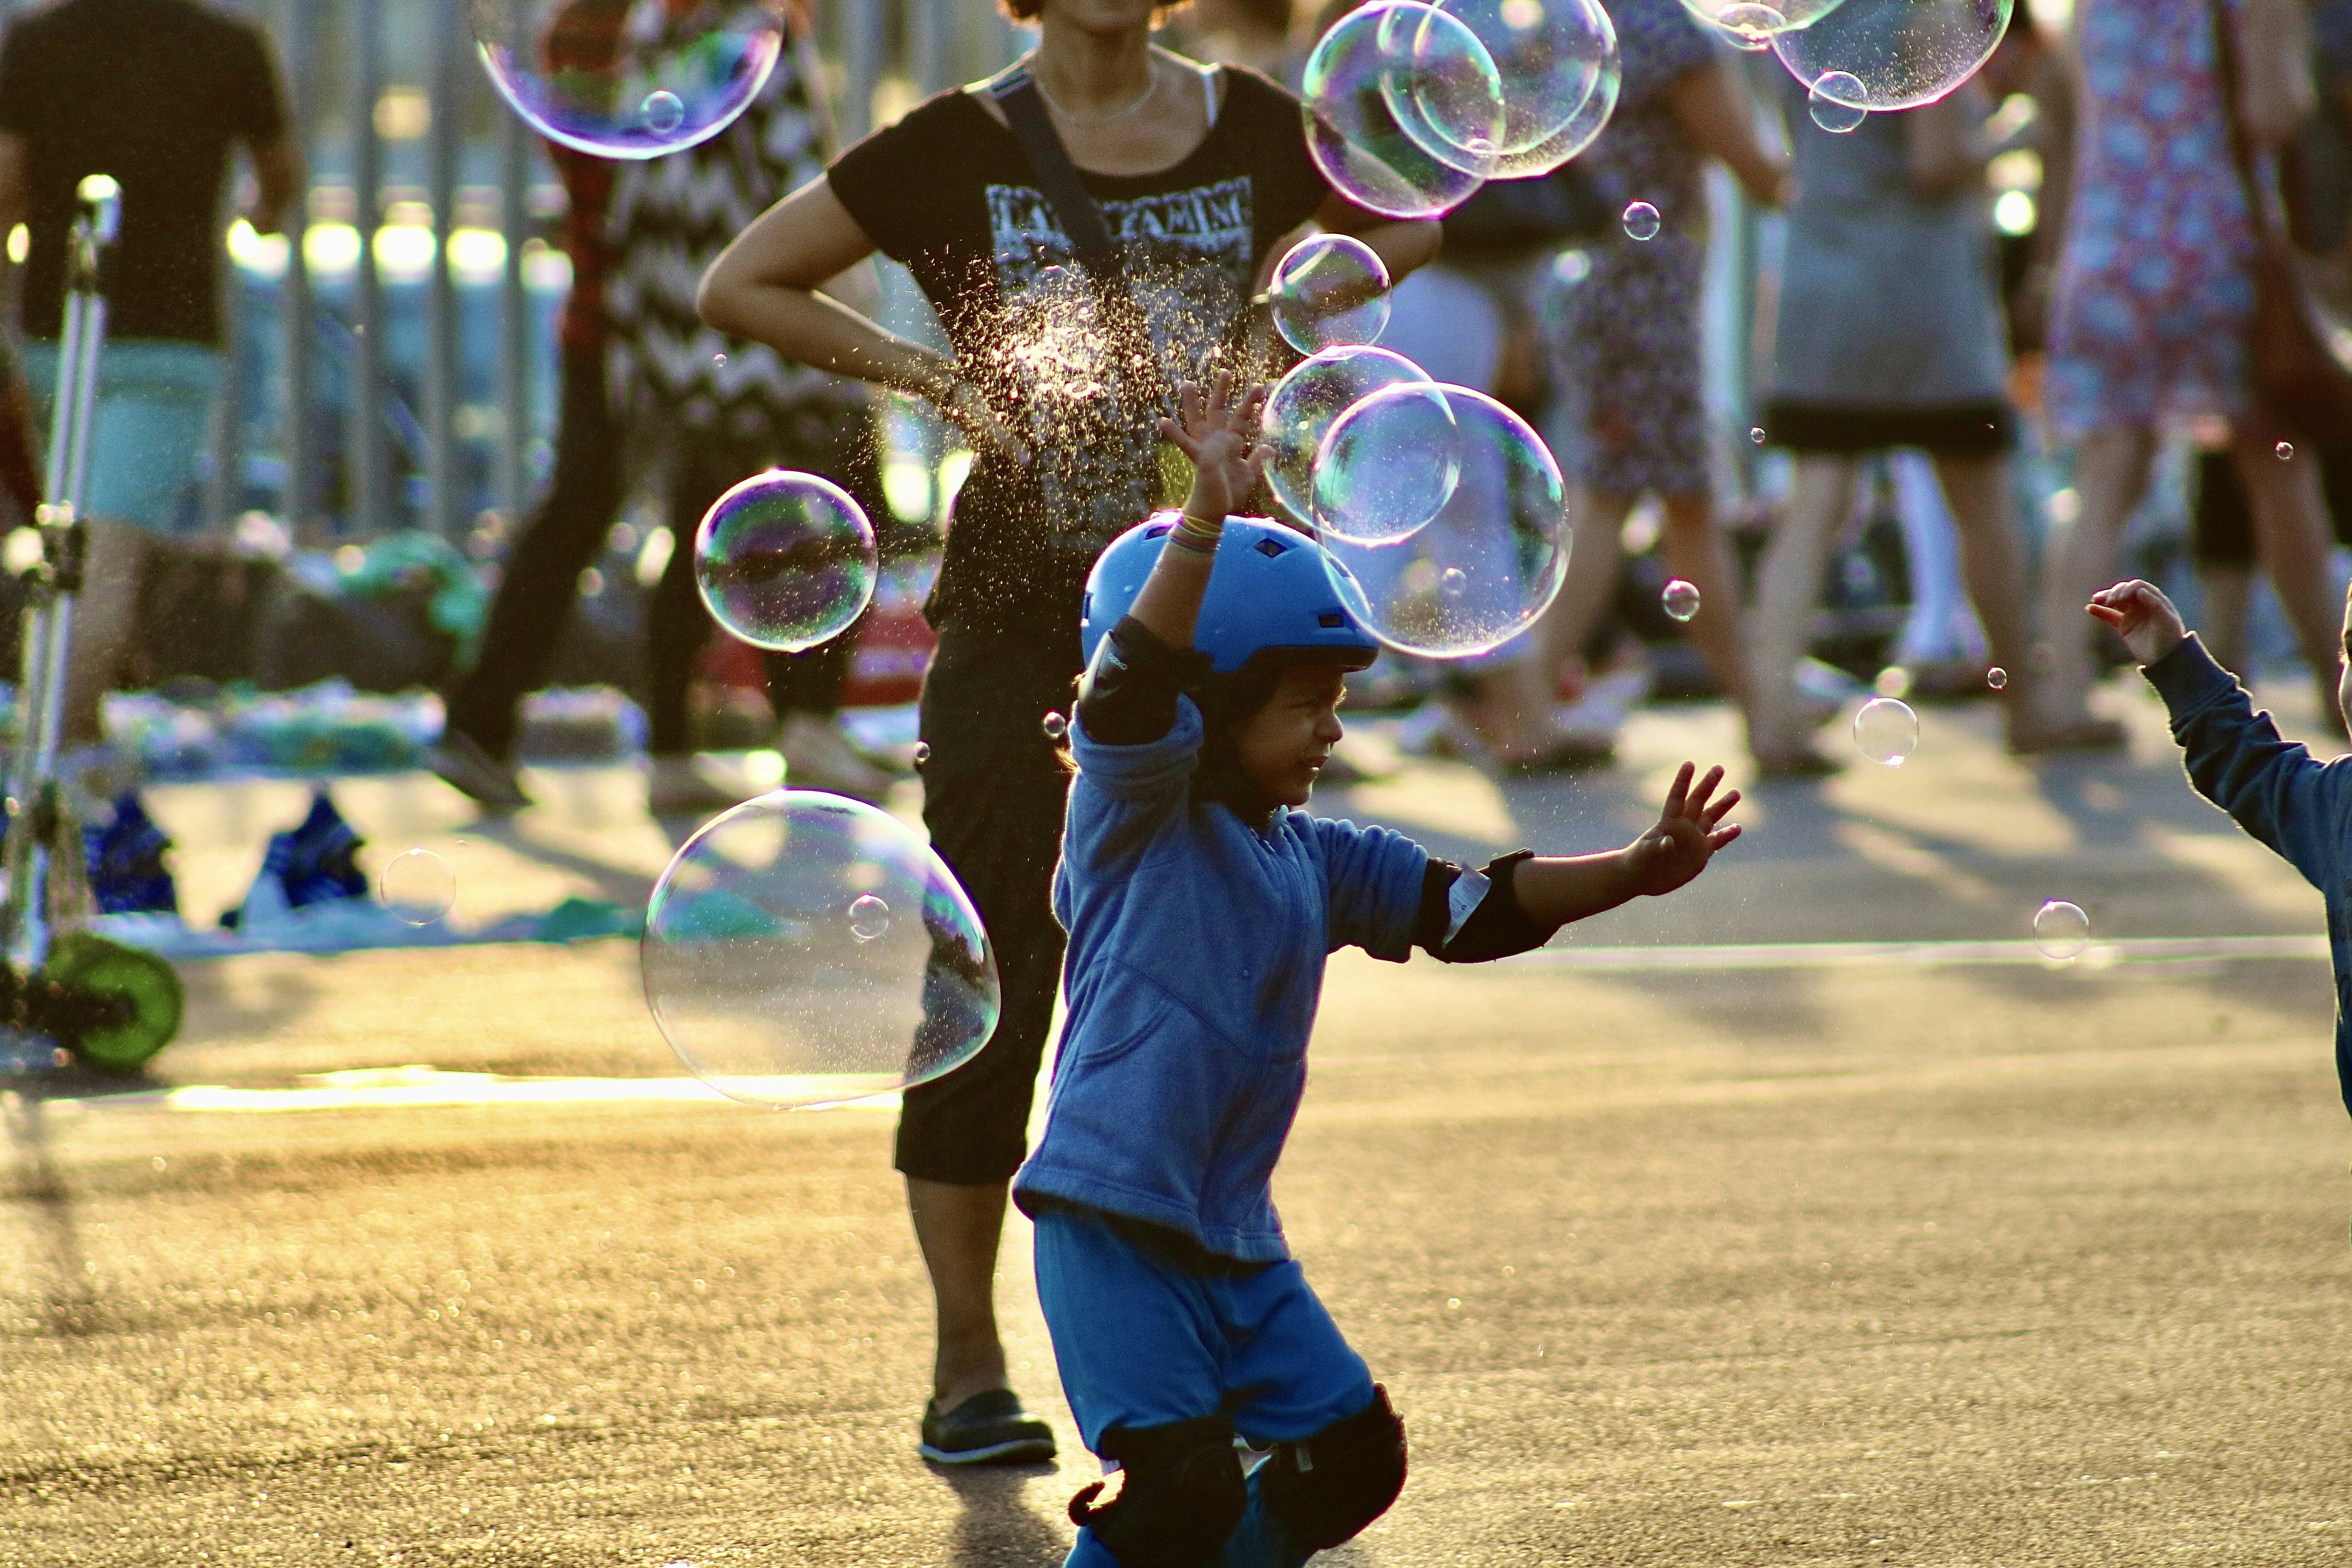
[{"x": 97, "y": 968}]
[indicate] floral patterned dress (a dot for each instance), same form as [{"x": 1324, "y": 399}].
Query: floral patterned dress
[{"x": 2156, "y": 285}]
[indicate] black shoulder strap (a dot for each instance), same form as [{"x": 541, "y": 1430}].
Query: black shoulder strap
[{"x": 1015, "y": 92}]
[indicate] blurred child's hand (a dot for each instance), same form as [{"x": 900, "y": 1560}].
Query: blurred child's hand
[
  {"x": 1689, "y": 831},
  {"x": 2151, "y": 627},
  {"x": 1220, "y": 435}
]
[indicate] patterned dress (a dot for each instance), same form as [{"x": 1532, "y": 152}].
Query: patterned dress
[
  {"x": 1625, "y": 341},
  {"x": 2156, "y": 285}
]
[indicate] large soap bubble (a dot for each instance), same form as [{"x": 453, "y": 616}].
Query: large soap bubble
[
  {"x": 1449, "y": 96},
  {"x": 1750, "y": 24},
  {"x": 1489, "y": 563},
  {"x": 1387, "y": 464},
  {"x": 628, "y": 78},
  {"x": 1896, "y": 54},
  {"x": 804, "y": 949},
  {"x": 1550, "y": 55},
  {"x": 1329, "y": 290},
  {"x": 785, "y": 561},
  {"x": 1360, "y": 74},
  {"x": 1303, "y": 406}
]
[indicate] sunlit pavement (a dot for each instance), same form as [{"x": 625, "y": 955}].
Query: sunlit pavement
[{"x": 1867, "y": 1237}]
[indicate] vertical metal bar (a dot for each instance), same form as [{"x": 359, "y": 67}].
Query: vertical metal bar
[
  {"x": 443, "y": 365},
  {"x": 299, "y": 439},
  {"x": 514, "y": 317},
  {"x": 371, "y": 474}
]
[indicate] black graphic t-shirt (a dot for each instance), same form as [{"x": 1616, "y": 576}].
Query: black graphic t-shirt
[{"x": 948, "y": 192}]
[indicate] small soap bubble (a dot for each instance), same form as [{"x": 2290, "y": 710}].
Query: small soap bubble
[
  {"x": 2061, "y": 930},
  {"x": 869, "y": 917},
  {"x": 718, "y": 359},
  {"x": 2285, "y": 449},
  {"x": 1453, "y": 583},
  {"x": 1054, "y": 726},
  {"x": 1828, "y": 102},
  {"x": 785, "y": 561},
  {"x": 1997, "y": 678},
  {"x": 923, "y": 752},
  {"x": 1641, "y": 221},
  {"x": 1329, "y": 290},
  {"x": 663, "y": 112},
  {"x": 1886, "y": 731},
  {"x": 1893, "y": 681},
  {"x": 1755, "y": 434},
  {"x": 1681, "y": 599},
  {"x": 418, "y": 887}
]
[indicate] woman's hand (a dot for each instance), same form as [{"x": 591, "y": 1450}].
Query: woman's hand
[
  {"x": 2151, "y": 627},
  {"x": 1220, "y": 435},
  {"x": 1689, "y": 833}
]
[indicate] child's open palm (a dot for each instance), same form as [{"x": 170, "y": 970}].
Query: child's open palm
[
  {"x": 1688, "y": 832},
  {"x": 1219, "y": 432}
]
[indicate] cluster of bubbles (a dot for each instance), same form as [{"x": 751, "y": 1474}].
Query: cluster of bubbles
[
  {"x": 785, "y": 561},
  {"x": 1411, "y": 107},
  {"x": 804, "y": 949},
  {"x": 1857, "y": 56},
  {"x": 627, "y": 81},
  {"x": 417, "y": 887}
]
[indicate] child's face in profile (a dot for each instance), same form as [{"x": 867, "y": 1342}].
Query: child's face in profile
[{"x": 1283, "y": 745}]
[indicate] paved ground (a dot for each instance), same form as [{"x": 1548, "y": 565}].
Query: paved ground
[{"x": 1671, "y": 1264}]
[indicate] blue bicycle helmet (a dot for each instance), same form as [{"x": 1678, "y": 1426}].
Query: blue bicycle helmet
[{"x": 1271, "y": 600}]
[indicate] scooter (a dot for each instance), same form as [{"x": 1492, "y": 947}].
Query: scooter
[{"x": 63, "y": 988}]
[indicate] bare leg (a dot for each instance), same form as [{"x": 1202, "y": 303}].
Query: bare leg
[
  {"x": 2229, "y": 600},
  {"x": 1592, "y": 564},
  {"x": 2292, "y": 534},
  {"x": 958, "y": 1228},
  {"x": 2110, "y": 475},
  {"x": 1787, "y": 588},
  {"x": 105, "y": 618},
  {"x": 1992, "y": 562},
  {"x": 1698, "y": 552}
]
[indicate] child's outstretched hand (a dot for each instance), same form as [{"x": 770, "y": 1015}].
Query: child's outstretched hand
[
  {"x": 2151, "y": 627},
  {"x": 1689, "y": 833},
  {"x": 1219, "y": 432}
]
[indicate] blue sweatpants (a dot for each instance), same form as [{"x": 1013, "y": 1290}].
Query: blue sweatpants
[{"x": 1144, "y": 1342}]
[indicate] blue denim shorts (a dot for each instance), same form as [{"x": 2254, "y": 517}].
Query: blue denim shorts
[{"x": 154, "y": 419}]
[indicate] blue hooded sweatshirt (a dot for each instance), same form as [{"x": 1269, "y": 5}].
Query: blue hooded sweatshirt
[
  {"x": 2277, "y": 790},
  {"x": 1197, "y": 944}
]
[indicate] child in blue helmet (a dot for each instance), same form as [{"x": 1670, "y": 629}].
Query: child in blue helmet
[{"x": 1201, "y": 904}]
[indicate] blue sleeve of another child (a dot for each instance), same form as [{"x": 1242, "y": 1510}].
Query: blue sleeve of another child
[
  {"x": 1372, "y": 886},
  {"x": 1124, "y": 794},
  {"x": 2237, "y": 760}
]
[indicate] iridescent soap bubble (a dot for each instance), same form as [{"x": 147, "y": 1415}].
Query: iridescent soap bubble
[
  {"x": 1448, "y": 99},
  {"x": 1886, "y": 731},
  {"x": 418, "y": 885},
  {"x": 1680, "y": 599},
  {"x": 1329, "y": 290},
  {"x": 1755, "y": 434},
  {"x": 1550, "y": 57},
  {"x": 2285, "y": 449},
  {"x": 923, "y": 752},
  {"x": 1387, "y": 464},
  {"x": 804, "y": 949},
  {"x": 1641, "y": 221},
  {"x": 1748, "y": 26},
  {"x": 1481, "y": 571},
  {"x": 1303, "y": 406},
  {"x": 620, "y": 81},
  {"x": 1898, "y": 54},
  {"x": 1358, "y": 72},
  {"x": 1054, "y": 726},
  {"x": 2061, "y": 930},
  {"x": 785, "y": 560},
  {"x": 1997, "y": 678},
  {"x": 1589, "y": 119},
  {"x": 1831, "y": 103}
]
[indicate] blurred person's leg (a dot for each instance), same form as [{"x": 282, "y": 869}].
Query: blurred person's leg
[
  {"x": 1698, "y": 551},
  {"x": 1983, "y": 503},
  {"x": 2292, "y": 536},
  {"x": 1595, "y": 558},
  {"x": 540, "y": 586},
  {"x": 678, "y": 626},
  {"x": 105, "y": 626},
  {"x": 1788, "y": 590},
  {"x": 2222, "y": 547},
  {"x": 2111, "y": 471}
]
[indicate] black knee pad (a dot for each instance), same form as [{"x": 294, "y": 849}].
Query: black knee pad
[
  {"x": 1180, "y": 1494},
  {"x": 1327, "y": 1488}
]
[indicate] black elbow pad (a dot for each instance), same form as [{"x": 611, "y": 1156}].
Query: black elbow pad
[
  {"x": 1496, "y": 927},
  {"x": 1128, "y": 695}
]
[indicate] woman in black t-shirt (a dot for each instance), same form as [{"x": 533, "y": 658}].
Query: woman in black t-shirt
[{"x": 1198, "y": 173}]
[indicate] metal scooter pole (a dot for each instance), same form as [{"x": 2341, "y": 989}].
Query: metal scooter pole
[{"x": 35, "y": 813}]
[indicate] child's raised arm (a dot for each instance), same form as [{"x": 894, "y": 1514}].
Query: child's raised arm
[
  {"x": 1554, "y": 890},
  {"x": 1219, "y": 432}
]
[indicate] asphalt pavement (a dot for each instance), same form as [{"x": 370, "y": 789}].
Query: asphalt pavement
[{"x": 1808, "y": 1216}]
